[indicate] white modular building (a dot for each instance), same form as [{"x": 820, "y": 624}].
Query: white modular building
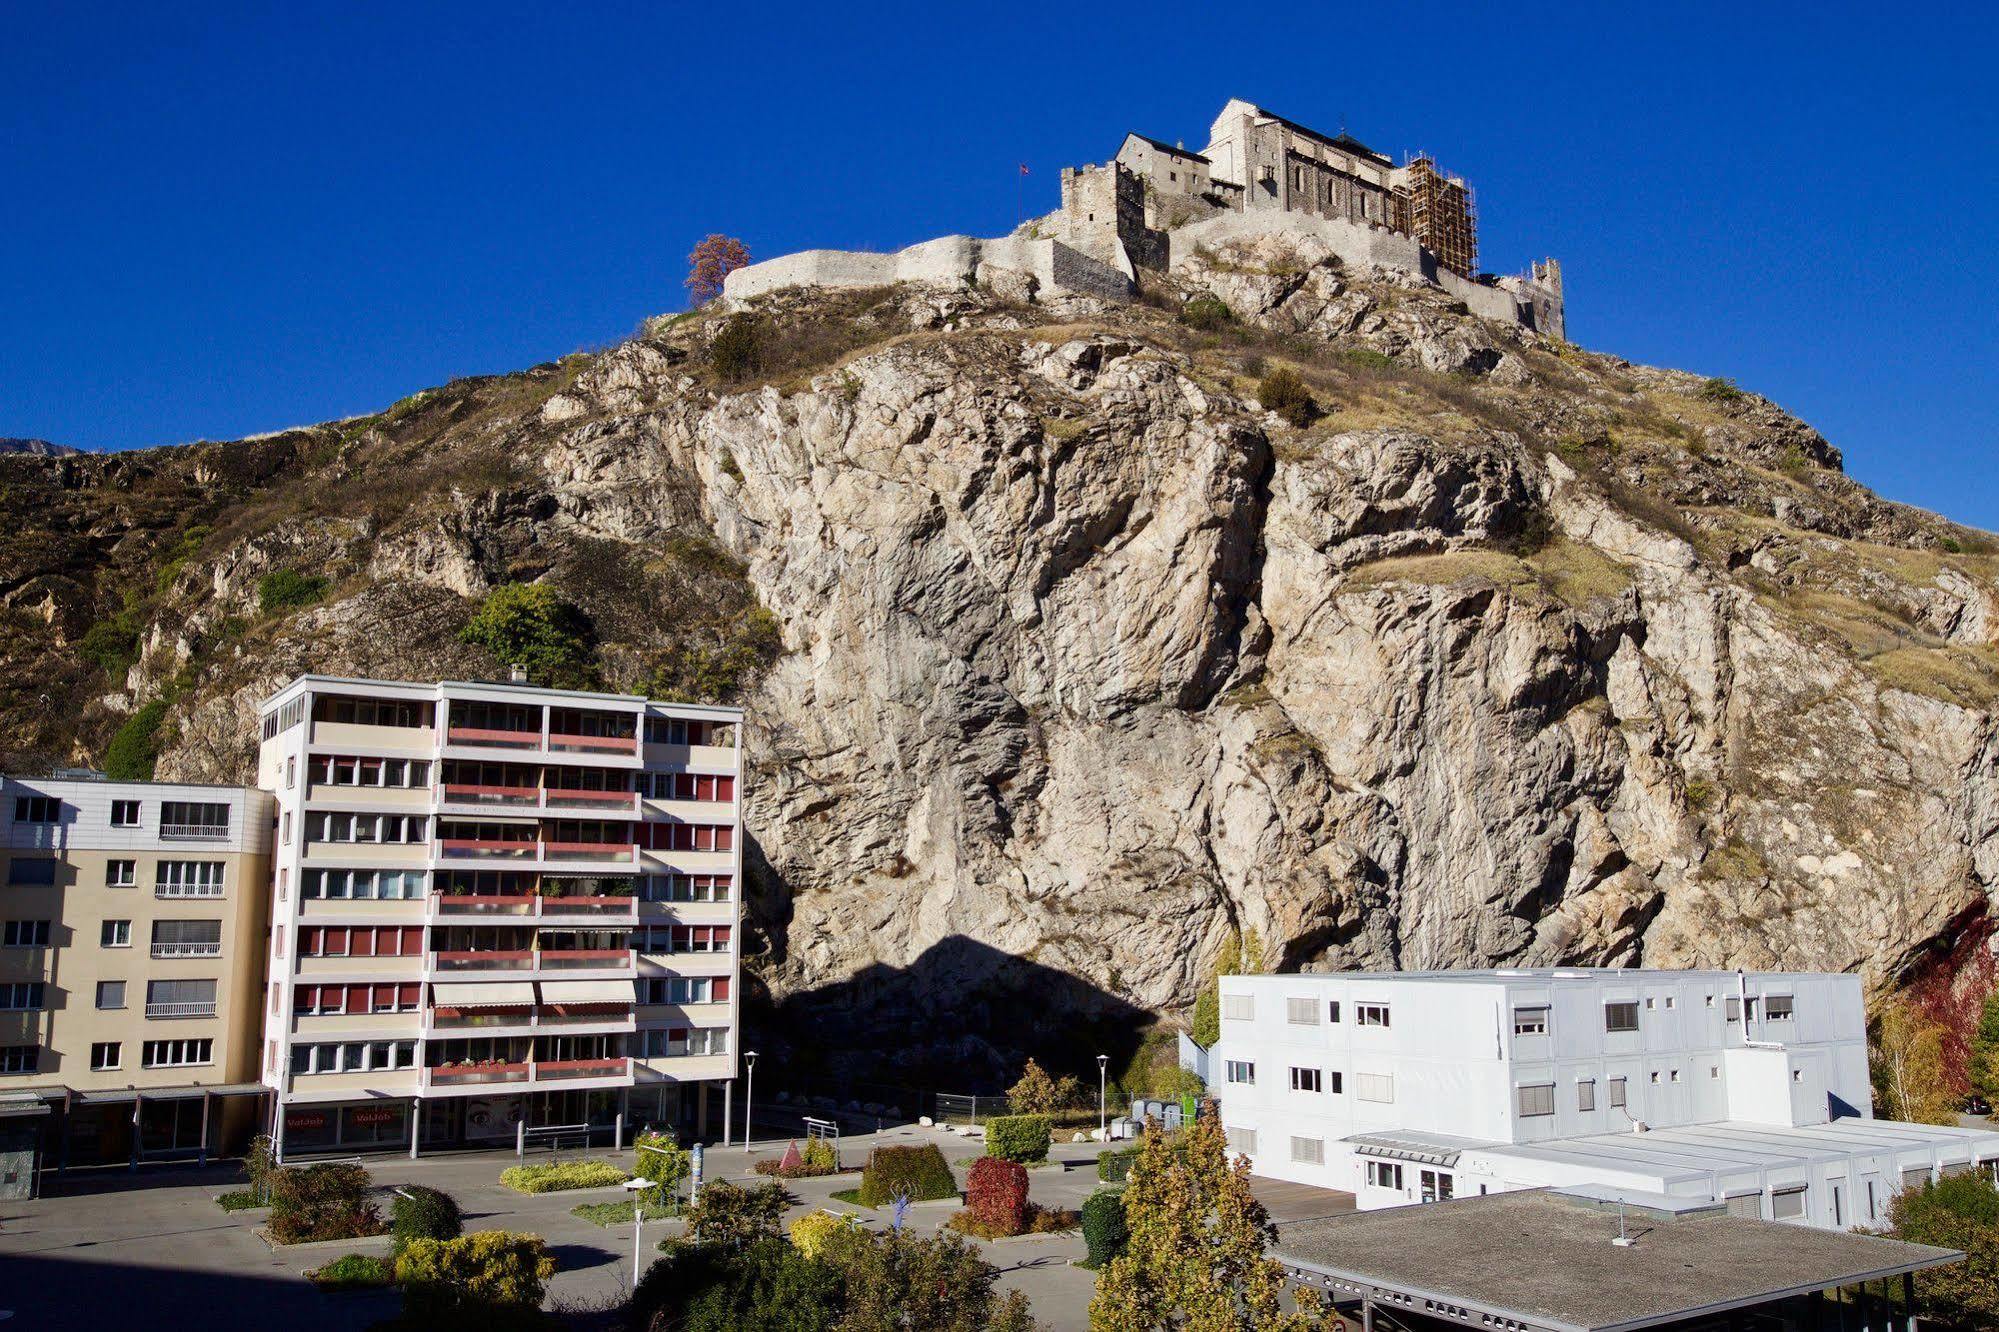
[{"x": 1746, "y": 1091}]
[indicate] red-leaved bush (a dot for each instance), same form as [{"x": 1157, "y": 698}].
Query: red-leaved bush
[{"x": 996, "y": 1195}]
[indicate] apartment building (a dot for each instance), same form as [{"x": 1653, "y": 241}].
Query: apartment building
[
  {"x": 497, "y": 905},
  {"x": 1749, "y": 1092},
  {"x": 131, "y": 962}
]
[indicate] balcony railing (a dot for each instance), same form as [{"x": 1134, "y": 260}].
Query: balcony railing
[
  {"x": 596, "y": 744},
  {"x": 579, "y": 1068},
  {"x": 458, "y": 793},
  {"x": 493, "y": 848},
  {"x": 187, "y": 950},
  {"x": 485, "y": 960},
  {"x": 546, "y": 959},
  {"x": 574, "y": 798},
  {"x": 527, "y": 905},
  {"x": 488, "y": 846},
  {"x": 480, "y": 735},
  {"x": 557, "y": 959},
  {"x": 469, "y": 1075},
  {"x": 175, "y": 890},
  {"x": 194, "y": 832},
  {"x": 591, "y": 850},
  {"x": 194, "y": 1008},
  {"x": 446, "y": 1018}
]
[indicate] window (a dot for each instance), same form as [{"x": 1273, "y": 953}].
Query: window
[
  {"x": 684, "y": 990},
  {"x": 187, "y": 938},
  {"x": 104, "y": 1056},
  {"x": 1621, "y": 1016},
  {"x": 188, "y": 878},
  {"x": 1242, "y": 1141},
  {"x": 1586, "y": 1094},
  {"x": 115, "y": 934},
  {"x": 1308, "y": 1151},
  {"x": 1371, "y": 1015},
  {"x": 180, "y": 999},
  {"x": 1735, "y": 1008},
  {"x": 20, "y": 1058},
  {"x": 177, "y": 1054},
  {"x": 1306, "y": 1080},
  {"x": 1536, "y": 1100},
  {"x": 124, "y": 813},
  {"x": 1617, "y": 1093},
  {"x": 111, "y": 994},
  {"x": 25, "y": 934},
  {"x": 200, "y": 819},
  {"x": 1777, "y": 1008},
  {"x": 1333, "y": 1082},
  {"x": 1714, "y": 1072},
  {"x": 37, "y": 809},
  {"x": 1384, "y": 1174},
  {"x": 291, "y": 771},
  {"x": 674, "y": 1042},
  {"x": 1242, "y": 1071},
  {"x": 1655, "y": 1077},
  {"x": 392, "y": 829},
  {"x": 1787, "y": 1204},
  {"x": 1745, "y": 1204},
  {"x": 362, "y": 885},
  {"x": 1374, "y": 1087},
  {"x": 1239, "y": 1007},
  {"x": 1333, "y": 1012},
  {"x": 1530, "y": 1021},
  {"x": 1797, "y": 1075},
  {"x": 1301, "y": 1012},
  {"x": 1672, "y": 1075},
  {"x": 1437, "y": 1186},
  {"x": 21, "y": 996},
  {"x": 354, "y": 1057},
  {"x": 31, "y": 869},
  {"x": 121, "y": 873}
]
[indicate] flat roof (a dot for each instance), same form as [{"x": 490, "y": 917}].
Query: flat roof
[
  {"x": 1547, "y": 1261},
  {"x": 1699, "y": 1151},
  {"x": 1503, "y": 975},
  {"x": 436, "y": 688}
]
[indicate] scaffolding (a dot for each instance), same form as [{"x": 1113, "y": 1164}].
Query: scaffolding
[{"x": 1442, "y": 215}]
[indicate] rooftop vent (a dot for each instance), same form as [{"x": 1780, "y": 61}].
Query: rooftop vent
[{"x": 517, "y": 673}]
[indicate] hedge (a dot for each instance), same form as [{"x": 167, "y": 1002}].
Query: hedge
[
  {"x": 1018, "y": 1137},
  {"x": 354, "y": 1271},
  {"x": 1114, "y": 1166},
  {"x": 421, "y": 1212},
  {"x": 918, "y": 1173},
  {"x": 1104, "y": 1230},
  {"x": 322, "y": 1202},
  {"x": 562, "y": 1175},
  {"x": 490, "y": 1272}
]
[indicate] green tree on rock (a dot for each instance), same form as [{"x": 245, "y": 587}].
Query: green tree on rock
[
  {"x": 1905, "y": 1056},
  {"x": 529, "y": 624},
  {"x": 1194, "y": 1260},
  {"x": 1984, "y": 1069}
]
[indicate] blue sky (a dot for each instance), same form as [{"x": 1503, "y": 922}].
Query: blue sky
[{"x": 252, "y": 216}]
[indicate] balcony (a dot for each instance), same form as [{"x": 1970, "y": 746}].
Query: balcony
[
  {"x": 627, "y": 851},
  {"x": 528, "y": 906},
  {"x": 484, "y": 960},
  {"x": 198, "y": 1008},
  {"x": 183, "y": 950},
  {"x": 172, "y": 891},
  {"x": 560, "y": 797},
  {"x": 499, "y": 797},
  {"x": 445, "y": 1019},
  {"x": 487, "y": 848},
  {"x": 484, "y": 904},
  {"x": 469, "y": 1075},
  {"x": 492, "y": 739},
  {"x": 541, "y": 959},
  {"x": 194, "y": 832},
  {"x": 570, "y": 959},
  {"x": 445, "y": 1077},
  {"x": 625, "y": 746}
]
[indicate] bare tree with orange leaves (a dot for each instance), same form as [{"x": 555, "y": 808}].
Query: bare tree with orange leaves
[{"x": 711, "y": 261}]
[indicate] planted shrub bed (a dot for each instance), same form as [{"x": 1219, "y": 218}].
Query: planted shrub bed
[
  {"x": 818, "y": 1158},
  {"x": 557, "y": 1176},
  {"x": 322, "y": 1202},
  {"x": 916, "y": 1173},
  {"x": 354, "y": 1271}
]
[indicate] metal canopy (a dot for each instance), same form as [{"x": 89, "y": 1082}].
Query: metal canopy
[
  {"x": 588, "y": 992},
  {"x": 483, "y": 994}
]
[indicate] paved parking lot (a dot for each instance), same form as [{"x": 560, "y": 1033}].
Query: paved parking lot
[{"x": 155, "y": 1245}]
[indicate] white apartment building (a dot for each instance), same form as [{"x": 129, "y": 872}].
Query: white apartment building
[
  {"x": 1746, "y": 1091},
  {"x": 497, "y": 905}
]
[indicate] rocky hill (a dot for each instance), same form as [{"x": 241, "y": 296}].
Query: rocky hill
[{"x": 1064, "y": 656}]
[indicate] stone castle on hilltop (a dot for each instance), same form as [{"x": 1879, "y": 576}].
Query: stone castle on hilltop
[{"x": 1155, "y": 204}]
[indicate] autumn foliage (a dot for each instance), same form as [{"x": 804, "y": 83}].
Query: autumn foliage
[{"x": 711, "y": 261}]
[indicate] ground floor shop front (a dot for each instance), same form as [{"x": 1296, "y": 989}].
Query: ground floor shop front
[{"x": 694, "y": 1112}]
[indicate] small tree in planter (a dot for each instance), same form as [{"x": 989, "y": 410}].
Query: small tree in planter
[
  {"x": 1018, "y": 1137},
  {"x": 419, "y": 1212},
  {"x": 996, "y": 1197}
]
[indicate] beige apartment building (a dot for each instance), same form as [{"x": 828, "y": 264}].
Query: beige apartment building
[
  {"x": 497, "y": 908},
  {"x": 131, "y": 964}
]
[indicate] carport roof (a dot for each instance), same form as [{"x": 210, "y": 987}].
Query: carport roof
[{"x": 1548, "y": 1263}]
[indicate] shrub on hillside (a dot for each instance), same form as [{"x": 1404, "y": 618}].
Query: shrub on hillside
[
  {"x": 322, "y": 1202},
  {"x": 1104, "y": 1231},
  {"x": 917, "y": 1173},
  {"x": 487, "y": 1274},
  {"x": 135, "y": 748},
  {"x": 1283, "y": 392},
  {"x": 529, "y": 624},
  {"x": 738, "y": 349},
  {"x": 561, "y": 1175},
  {"x": 996, "y": 1196},
  {"x": 420, "y": 1212},
  {"x": 1206, "y": 313},
  {"x": 1720, "y": 390},
  {"x": 288, "y": 589},
  {"x": 1018, "y": 1137}
]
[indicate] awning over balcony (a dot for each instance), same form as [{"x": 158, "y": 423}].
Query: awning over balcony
[
  {"x": 589, "y": 992},
  {"x": 483, "y": 994}
]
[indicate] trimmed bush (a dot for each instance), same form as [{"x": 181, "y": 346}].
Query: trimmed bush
[
  {"x": 1283, "y": 392},
  {"x": 917, "y": 1173},
  {"x": 354, "y": 1271},
  {"x": 820, "y": 1158},
  {"x": 1206, "y": 313},
  {"x": 1114, "y": 1166},
  {"x": 488, "y": 1271},
  {"x": 419, "y": 1212},
  {"x": 1104, "y": 1230},
  {"x": 996, "y": 1196},
  {"x": 733, "y": 1218},
  {"x": 561, "y": 1175},
  {"x": 1018, "y": 1137},
  {"x": 322, "y": 1202}
]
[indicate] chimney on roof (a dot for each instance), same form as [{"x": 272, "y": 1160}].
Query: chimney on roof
[{"x": 517, "y": 674}]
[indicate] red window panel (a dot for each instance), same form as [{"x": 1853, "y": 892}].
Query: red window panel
[
  {"x": 311, "y": 943},
  {"x": 725, "y": 788},
  {"x": 307, "y": 999},
  {"x": 384, "y": 999},
  {"x": 413, "y": 942},
  {"x": 411, "y": 996},
  {"x": 725, "y": 838},
  {"x": 363, "y": 944},
  {"x": 721, "y": 990}
]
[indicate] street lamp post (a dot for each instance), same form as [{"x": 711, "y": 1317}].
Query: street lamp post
[
  {"x": 1103, "y": 1113},
  {"x": 749, "y": 1098},
  {"x": 637, "y": 1185}
]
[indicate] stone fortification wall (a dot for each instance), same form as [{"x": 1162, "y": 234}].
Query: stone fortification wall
[
  {"x": 949, "y": 261},
  {"x": 1514, "y": 300}
]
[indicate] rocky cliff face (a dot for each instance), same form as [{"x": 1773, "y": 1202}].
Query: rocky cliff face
[{"x": 1517, "y": 654}]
